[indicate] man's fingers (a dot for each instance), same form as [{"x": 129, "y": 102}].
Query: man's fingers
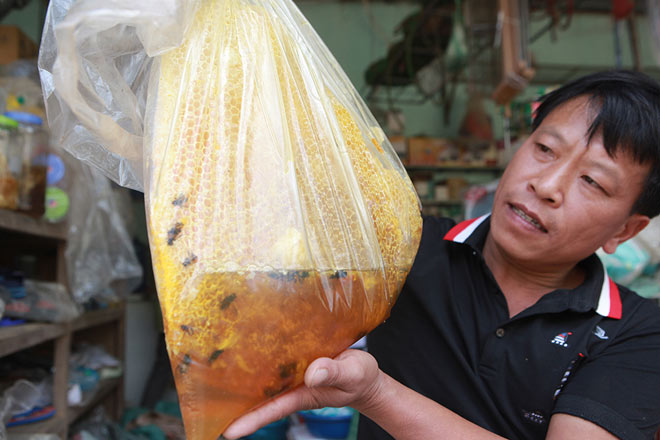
[
  {"x": 269, "y": 412},
  {"x": 318, "y": 372},
  {"x": 344, "y": 372},
  {"x": 329, "y": 383}
]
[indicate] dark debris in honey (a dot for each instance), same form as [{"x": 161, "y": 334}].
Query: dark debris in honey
[
  {"x": 183, "y": 366},
  {"x": 288, "y": 370},
  {"x": 190, "y": 260},
  {"x": 215, "y": 355},
  {"x": 338, "y": 275},
  {"x": 274, "y": 391},
  {"x": 293, "y": 276},
  {"x": 226, "y": 302},
  {"x": 174, "y": 233},
  {"x": 180, "y": 201},
  {"x": 186, "y": 328}
]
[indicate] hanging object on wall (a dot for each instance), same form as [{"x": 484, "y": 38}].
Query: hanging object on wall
[
  {"x": 426, "y": 34},
  {"x": 516, "y": 63},
  {"x": 653, "y": 14},
  {"x": 624, "y": 18},
  {"x": 457, "y": 49}
]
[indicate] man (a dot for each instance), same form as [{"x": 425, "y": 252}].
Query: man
[{"x": 508, "y": 325}]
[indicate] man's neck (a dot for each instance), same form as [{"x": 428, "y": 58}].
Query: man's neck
[{"x": 524, "y": 283}]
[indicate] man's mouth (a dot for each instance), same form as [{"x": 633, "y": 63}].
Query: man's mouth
[{"x": 531, "y": 220}]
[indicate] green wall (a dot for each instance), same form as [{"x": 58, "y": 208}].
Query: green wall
[
  {"x": 30, "y": 19},
  {"x": 358, "y": 33}
]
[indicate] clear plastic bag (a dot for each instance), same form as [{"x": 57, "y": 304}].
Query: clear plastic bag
[
  {"x": 101, "y": 259},
  {"x": 282, "y": 224},
  {"x": 21, "y": 397},
  {"x": 43, "y": 301}
]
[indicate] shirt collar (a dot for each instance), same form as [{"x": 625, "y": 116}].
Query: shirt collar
[{"x": 608, "y": 302}]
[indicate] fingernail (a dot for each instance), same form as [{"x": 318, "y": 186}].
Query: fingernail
[{"x": 319, "y": 376}]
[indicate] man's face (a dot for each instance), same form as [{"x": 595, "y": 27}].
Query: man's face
[{"x": 561, "y": 198}]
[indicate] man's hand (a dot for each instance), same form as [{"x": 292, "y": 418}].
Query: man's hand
[{"x": 351, "y": 379}]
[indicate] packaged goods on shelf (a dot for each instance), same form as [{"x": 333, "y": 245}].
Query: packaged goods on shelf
[
  {"x": 428, "y": 150},
  {"x": 14, "y": 44},
  {"x": 10, "y": 163}
]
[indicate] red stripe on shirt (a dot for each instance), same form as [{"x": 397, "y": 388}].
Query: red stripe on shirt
[
  {"x": 615, "y": 301},
  {"x": 453, "y": 232}
]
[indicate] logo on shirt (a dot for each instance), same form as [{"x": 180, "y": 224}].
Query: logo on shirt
[
  {"x": 533, "y": 416},
  {"x": 561, "y": 338},
  {"x": 600, "y": 333}
]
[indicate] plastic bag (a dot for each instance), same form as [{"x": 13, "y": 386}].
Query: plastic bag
[
  {"x": 42, "y": 301},
  {"x": 282, "y": 224},
  {"x": 21, "y": 397},
  {"x": 101, "y": 259}
]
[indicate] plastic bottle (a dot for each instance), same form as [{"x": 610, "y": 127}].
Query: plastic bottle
[
  {"x": 10, "y": 163},
  {"x": 34, "y": 143}
]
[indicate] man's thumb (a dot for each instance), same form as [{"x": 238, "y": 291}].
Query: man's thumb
[
  {"x": 318, "y": 378},
  {"x": 319, "y": 371}
]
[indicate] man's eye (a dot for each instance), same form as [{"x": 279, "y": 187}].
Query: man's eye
[
  {"x": 543, "y": 148},
  {"x": 592, "y": 182}
]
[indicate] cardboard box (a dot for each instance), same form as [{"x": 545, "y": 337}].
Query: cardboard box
[
  {"x": 399, "y": 144},
  {"x": 14, "y": 45},
  {"x": 427, "y": 150}
]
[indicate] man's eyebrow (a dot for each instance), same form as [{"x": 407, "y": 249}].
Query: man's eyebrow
[
  {"x": 611, "y": 171},
  {"x": 552, "y": 132}
]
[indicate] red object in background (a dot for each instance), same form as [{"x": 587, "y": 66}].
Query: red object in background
[{"x": 622, "y": 8}]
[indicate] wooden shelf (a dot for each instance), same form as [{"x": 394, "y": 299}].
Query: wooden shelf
[
  {"x": 465, "y": 168},
  {"x": 429, "y": 203},
  {"x": 19, "y": 337},
  {"x": 18, "y": 222},
  {"x": 104, "y": 388},
  {"x": 96, "y": 317},
  {"x": 54, "y": 425},
  {"x": 51, "y": 239}
]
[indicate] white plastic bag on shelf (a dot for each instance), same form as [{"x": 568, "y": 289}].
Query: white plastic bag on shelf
[
  {"x": 100, "y": 256},
  {"x": 43, "y": 301},
  {"x": 21, "y": 397}
]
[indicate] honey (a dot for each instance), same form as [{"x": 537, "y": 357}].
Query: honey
[{"x": 260, "y": 333}]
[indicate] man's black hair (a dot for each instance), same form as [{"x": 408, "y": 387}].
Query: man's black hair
[{"x": 627, "y": 108}]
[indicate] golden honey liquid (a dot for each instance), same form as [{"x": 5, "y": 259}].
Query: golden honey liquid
[{"x": 261, "y": 333}]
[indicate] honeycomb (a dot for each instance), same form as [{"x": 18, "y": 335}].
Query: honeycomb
[{"x": 280, "y": 229}]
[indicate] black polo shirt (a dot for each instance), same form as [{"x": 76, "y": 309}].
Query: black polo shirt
[{"x": 593, "y": 351}]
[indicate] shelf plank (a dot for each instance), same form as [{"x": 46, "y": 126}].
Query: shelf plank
[
  {"x": 19, "y": 337},
  {"x": 54, "y": 425},
  {"x": 17, "y": 222},
  {"x": 466, "y": 168},
  {"x": 96, "y": 317},
  {"x": 105, "y": 387},
  {"x": 428, "y": 203}
]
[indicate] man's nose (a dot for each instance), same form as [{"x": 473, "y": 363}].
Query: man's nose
[{"x": 550, "y": 184}]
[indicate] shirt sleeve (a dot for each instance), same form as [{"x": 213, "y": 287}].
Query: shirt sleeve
[{"x": 618, "y": 385}]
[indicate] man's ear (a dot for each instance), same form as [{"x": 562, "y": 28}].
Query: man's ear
[{"x": 633, "y": 225}]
